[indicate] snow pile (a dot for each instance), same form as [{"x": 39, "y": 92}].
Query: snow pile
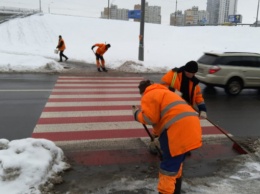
[
  {"x": 29, "y": 165},
  {"x": 28, "y": 63}
]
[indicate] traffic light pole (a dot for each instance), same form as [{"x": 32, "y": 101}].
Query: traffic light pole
[{"x": 141, "y": 36}]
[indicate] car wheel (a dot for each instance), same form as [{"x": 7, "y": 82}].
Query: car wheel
[{"x": 234, "y": 87}]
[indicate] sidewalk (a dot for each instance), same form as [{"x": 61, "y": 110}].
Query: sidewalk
[{"x": 93, "y": 169}]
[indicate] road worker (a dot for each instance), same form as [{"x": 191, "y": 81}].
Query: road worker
[
  {"x": 61, "y": 47},
  {"x": 177, "y": 126},
  {"x": 183, "y": 82},
  {"x": 102, "y": 48}
]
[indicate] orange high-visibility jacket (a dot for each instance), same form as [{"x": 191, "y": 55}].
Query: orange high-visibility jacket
[
  {"x": 165, "y": 110},
  {"x": 173, "y": 79},
  {"x": 101, "y": 49},
  {"x": 61, "y": 45}
]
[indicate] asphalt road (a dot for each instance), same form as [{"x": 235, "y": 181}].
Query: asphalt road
[{"x": 23, "y": 96}]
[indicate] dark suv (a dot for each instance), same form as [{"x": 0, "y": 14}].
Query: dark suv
[{"x": 231, "y": 70}]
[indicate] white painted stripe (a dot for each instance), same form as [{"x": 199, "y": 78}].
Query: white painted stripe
[
  {"x": 96, "y": 96},
  {"x": 88, "y": 126},
  {"x": 114, "y": 143},
  {"x": 98, "y": 85},
  {"x": 108, "y": 144},
  {"x": 99, "y": 81},
  {"x": 204, "y": 122},
  {"x": 107, "y": 78},
  {"x": 87, "y": 113},
  {"x": 95, "y": 90},
  {"x": 109, "y": 103}
]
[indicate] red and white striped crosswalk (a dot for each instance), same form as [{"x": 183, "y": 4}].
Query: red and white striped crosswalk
[{"x": 84, "y": 109}]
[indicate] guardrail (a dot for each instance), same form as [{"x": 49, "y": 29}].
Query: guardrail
[
  {"x": 9, "y": 13},
  {"x": 14, "y": 10}
]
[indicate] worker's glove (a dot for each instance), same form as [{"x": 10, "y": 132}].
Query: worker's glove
[
  {"x": 134, "y": 109},
  {"x": 203, "y": 114},
  {"x": 92, "y": 47},
  {"x": 152, "y": 146}
]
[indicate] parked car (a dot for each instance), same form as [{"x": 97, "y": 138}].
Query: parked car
[{"x": 232, "y": 71}]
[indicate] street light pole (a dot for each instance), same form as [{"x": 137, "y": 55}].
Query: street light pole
[
  {"x": 176, "y": 14},
  {"x": 257, "y": 14},
  {"x": 108, "y": 10},
  {"x": 40, "y": 4},
  {"x": 141, "y": 36}
]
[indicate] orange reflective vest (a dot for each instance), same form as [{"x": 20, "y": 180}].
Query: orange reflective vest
[
  {"x": 173, "y": 79},
  {"x": 61, "y": 45},
  {"x": 101, "y": 49},
  {"x": 166, "y": 111}
]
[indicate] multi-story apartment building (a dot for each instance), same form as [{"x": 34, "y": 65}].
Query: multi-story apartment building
[
  {"x": 226, "y": 8},
  {"x": 192, "y": 16},
  {"x": 213, "y": 10},
  {"x": 203, "y": 17},
  {"x": 152, "y": 13},
  {"x": 115, "y": 13},
  {"x": 219, "y": 10},
  {"x": 177, "y": 18}
]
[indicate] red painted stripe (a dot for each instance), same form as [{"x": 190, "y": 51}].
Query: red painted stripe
[
  {"x": 211, "y": 130},
  {"x": 97, "y": 83},
  {"x": 110, "y": 157},
  {"x": 95, "y": 92},
  {"x": 92, "y": 99},
  {"x": 142, "y": 155},
  {"x": 95, "y": 87},
  {"x": 98, "y": 119},
  {"x": 89, "y": 135},
  {"x": 85, "y": 108}
]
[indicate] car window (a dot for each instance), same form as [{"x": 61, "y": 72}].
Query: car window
[
  {"x": 208, "y": 59},
  {"x": 230, "y": 61},
  {"x": 251, "y": 61}
]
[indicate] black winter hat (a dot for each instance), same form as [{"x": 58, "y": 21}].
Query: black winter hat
[
  {"x": 191, "y": 67},
  {"x": 108, "y": 45}
]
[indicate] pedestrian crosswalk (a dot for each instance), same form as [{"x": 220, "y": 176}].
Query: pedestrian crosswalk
[{"x": 92, "y": 110}]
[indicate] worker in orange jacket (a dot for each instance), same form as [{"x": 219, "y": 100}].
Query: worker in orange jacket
[
  {"x": 176, "y": 124},
  {"x": 102, "y": 48},
  {"x": 61, "y": 46},
  {"x": 183, "y": 82}
]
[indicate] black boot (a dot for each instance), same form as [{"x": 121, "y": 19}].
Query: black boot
[
  {"x": 178, "y": 186},
  {"x": 104, "y": 69},
  {"x": 99, "y": 69}
]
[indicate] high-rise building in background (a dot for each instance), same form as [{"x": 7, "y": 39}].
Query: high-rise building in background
[
  {"x": 192, "y": 16},
  {"x": 177, "y": 18},
  {"x": 226, "y": 8},
  {"x": 152, "y": 13},
  {"x": 114, "y": 13},
  {"x": 213, "y": 10},
  {"x": 219, "y": 10}
]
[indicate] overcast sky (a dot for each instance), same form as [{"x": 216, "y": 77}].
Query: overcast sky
[{"x": 93, "y": 8}]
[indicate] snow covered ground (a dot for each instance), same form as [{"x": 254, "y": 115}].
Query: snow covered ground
[{"x": 27, "y": 45}]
